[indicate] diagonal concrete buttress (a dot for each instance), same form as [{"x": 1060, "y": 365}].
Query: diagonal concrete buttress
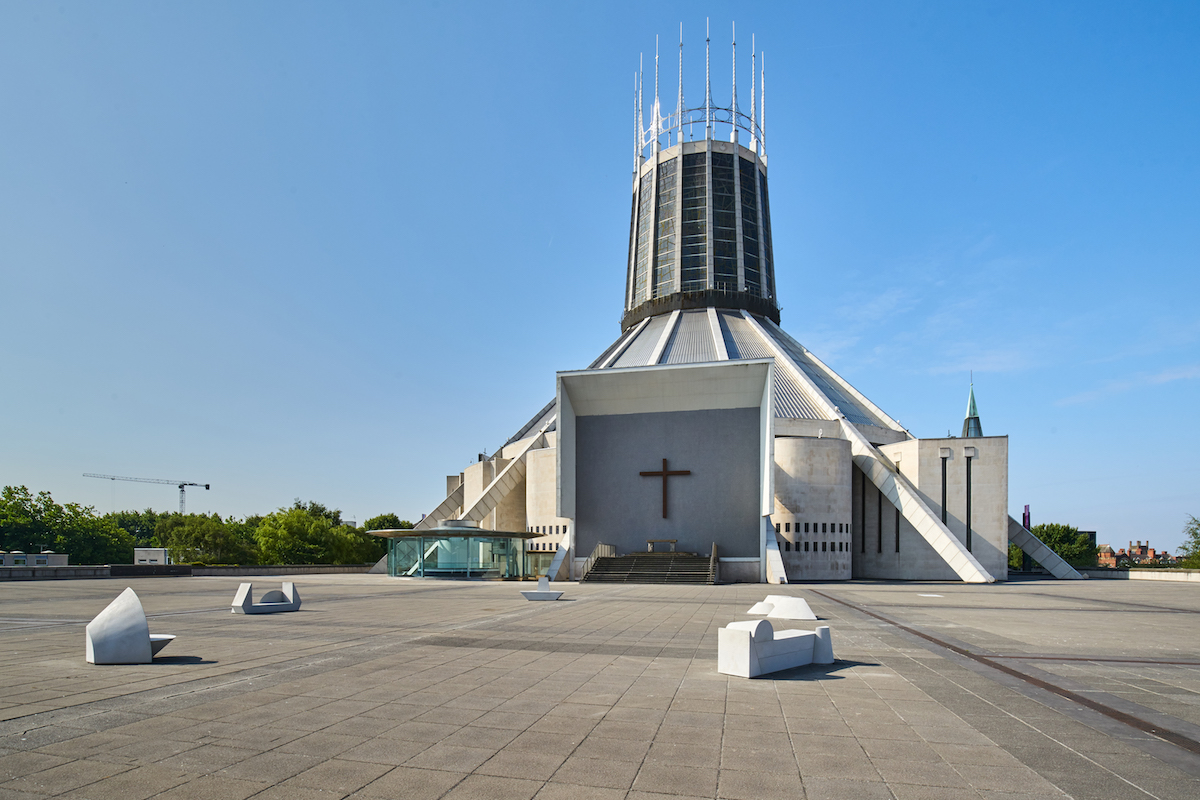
[
  {"x": 509, "y": 478},
  {"x": 1023, "y": 538},
  {"x": 893, "y": 485},
  {"x": 445, "y": 510}
]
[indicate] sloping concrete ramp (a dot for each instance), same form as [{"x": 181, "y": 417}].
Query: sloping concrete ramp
[{"x": 1021, "y": 536}]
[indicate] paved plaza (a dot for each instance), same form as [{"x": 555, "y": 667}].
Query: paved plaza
[{"x": 386, "y": 688}]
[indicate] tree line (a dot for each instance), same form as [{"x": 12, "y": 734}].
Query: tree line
[{"x": 303, "y": 533}]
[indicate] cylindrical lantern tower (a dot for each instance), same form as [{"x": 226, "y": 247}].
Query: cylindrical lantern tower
[{"x": 700, "y": 233}]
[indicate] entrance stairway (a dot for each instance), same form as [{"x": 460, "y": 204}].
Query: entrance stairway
[{"x": 652, "y": 568}]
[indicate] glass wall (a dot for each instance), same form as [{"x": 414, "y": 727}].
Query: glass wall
[
  {"x": 494, "y": 557},
  {"x": 644, "y": 226},
  {"x": 694, "y": 259},
  {"x": 724, "y": 224},
  {"x": 664, "y": 253},
  {"x": 767, "y": 255},
  {"x": 750, "y": 227}
]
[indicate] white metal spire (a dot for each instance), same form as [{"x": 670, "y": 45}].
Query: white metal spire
[
  {"x": 753, "y": 95},
  {"x": 637, "y": 130},
  {"x": 708, "y": 125},
  {"x": 762, "y": 118},
  {"x": 679, "y": 105},
  {"x": 656, "y": 127},
  {"x": 733, "y": 137}
]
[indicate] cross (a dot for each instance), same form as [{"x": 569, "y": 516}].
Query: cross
[{"x": 663, "y": 473}]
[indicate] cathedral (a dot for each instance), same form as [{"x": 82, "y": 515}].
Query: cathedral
[{"x": 705, "y": 428}]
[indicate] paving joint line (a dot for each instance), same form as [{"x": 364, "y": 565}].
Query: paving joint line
[{"x": 1179, "y": 740}]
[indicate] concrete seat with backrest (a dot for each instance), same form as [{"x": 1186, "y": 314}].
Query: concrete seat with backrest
[
  {"x": 120, "y": 634},
  {"x": 272, "y": 602},
  {"x": 750, "y": 649}
]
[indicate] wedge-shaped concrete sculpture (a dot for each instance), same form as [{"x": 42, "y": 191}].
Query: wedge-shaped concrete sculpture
[
  {"x": 120, "y": 635},
  {"x": 542, "y": 592},
  {"x": 778, "y": 606},
  {"x": 271, "y": 602},
  {"x": 750, "y": 649}
]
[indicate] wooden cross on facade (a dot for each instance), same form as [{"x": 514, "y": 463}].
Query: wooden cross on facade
[{"x": 664, "y": 473}]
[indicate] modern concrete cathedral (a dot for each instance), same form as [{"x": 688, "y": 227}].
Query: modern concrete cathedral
[{"x": 705, "y": 425}]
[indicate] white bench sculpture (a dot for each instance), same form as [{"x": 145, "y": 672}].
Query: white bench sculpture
[
  {"x": 120, "y": 635},
  {"x": 272, "y": 601},
  {"x": 750, "y": 649},
  {"x": 778, "y": 606},
  {"x": 542, "y": 592}
]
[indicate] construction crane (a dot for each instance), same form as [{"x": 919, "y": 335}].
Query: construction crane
[{"x": 180, "y": 484}]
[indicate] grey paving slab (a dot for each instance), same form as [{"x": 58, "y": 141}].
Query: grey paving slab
[{"x": 382, "y": 688}]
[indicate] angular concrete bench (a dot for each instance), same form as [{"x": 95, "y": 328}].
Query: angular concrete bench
[
  {"x": 778, "y": 606},
  {"x": 272, "y": 602},
  {"x": 120, "y": 634},
  {"x": 750, "y": 649},
  {"x": 542, "y": 592}
]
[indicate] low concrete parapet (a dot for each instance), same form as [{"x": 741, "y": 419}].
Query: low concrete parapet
[
  {"x": 283, "y": 569},
  {"x": 1188, "y": 575},
  {"x": 52, "y": 573}
]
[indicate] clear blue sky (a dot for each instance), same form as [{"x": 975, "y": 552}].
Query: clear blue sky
[{"x": 334, "y": 250}]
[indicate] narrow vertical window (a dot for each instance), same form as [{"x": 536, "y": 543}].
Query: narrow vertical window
[
  {"x": 750, "y": 259},
  {"x": 664, "y": 252},
  {"x": 724, "y": 238},
  {"x": 694, "y": 257},
  {"x": 645, "y": 231}
]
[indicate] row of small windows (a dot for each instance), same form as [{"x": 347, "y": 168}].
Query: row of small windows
[
  {"x": 833, "y": 547},
  {"x": 546, "y": 530},
  {"x": 543, "y": 546},
  {"x": 826, "y": 527}
]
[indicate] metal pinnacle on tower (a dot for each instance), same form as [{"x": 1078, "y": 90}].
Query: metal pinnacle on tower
[
  {"x": 972, "y": 427},
  {"x": 679, "y": 105},
  {"x": 708, "y": 122},
  {"x": 762, "y": 118},
  {"x": 753, "y": 95},
  {"x": 733, "y": 137}
]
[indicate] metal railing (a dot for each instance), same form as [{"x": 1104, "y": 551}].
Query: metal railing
[
  {"x": 601, "y": 550},
  {"x": 712, "y": 564}
]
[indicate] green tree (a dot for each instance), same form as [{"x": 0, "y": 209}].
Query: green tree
[
  {"x": 387, "y": 522},
  {"x": 206, "y": 538},
  {"x": 1189, "y": 551},
  {"x": 310, "y": 533},
  {"x": 141, "y": 525},
  {"x": 1074, "y": 548},
  {"x": 31, "y": 524},
  {"x": 1016, "y": 557}
]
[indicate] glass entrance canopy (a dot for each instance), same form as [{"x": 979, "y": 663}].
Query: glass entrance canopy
[{"x": 457, "y": 549}]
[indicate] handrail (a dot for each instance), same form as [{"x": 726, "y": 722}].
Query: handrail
[
  {"x": 712, "y": 564},
  {"x": 601, "y": 550}
]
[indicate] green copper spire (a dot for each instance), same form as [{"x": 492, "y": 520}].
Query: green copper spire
[{"x": 972, "y": 427}]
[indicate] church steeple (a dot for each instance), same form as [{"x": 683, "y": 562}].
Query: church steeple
[
  {"x": 700, "y": 233},
  {"x": 972, "y": 427}
]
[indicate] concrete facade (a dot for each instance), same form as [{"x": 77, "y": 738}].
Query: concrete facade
[
  {"x": 813, "y": 507},
  {"x": 618, "y": 506}
]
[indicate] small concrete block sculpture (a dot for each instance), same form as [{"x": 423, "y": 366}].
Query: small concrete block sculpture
[
  {"x": 120, "y": 635},
  {"x": 543, "y": 591},
  {"x": 750, "y": 649},
  {"x": 778, "y": 606},
  {"x": 272, "y": 601}
]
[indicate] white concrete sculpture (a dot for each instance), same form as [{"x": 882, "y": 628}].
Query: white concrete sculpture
[
  {"x": 272, "y": 602},
  {"x": 778, "y": 606},
  {"x": 543, "y": 591},
  {"x": 750, "y": 649},
  {"x": 120, "y": 635}
]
